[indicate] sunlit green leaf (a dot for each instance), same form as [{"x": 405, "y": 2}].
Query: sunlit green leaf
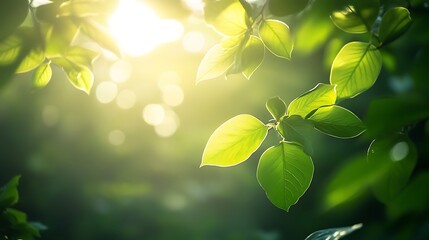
[
  {"x": 337, "y": 122},
  {"x": 276, "y": 37},
  {"x": 227, "y": 17},
  {"x": 12, "y": 14},
  {"x": 60, "y": 36},
  {"x": 296, "y": 129},
  {"x": 31, "y": 61},
  {"x": 277, "y": 107},
  {"x": 80, "y": 55},
  {"x": 234, "y": 141},
  {"x": 319, "y": 96},
  {"x": 87, "y": 8},
  {"x": 218, "y": 59},
  {"x": 399, "y": 156},
  {"x": 285, "y": 172},
  {"x": 9, "y": 193},
  {"x": 42, "y": 75},
  {"x": 333, "y": 233},
  {"x": 357, "y": 17},
  {"x": 252, "y": 56},
  {"x": 286, "y": 7},
  {"x": 355, "y": 69},
  {"x": 393, "y": 24},
  {"x": 100, "y": 35},
  {"x": 81, "y": 77},
  {"x": 10, "y": 49}
]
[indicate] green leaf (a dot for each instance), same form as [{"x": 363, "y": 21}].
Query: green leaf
[
  {"x": 80, "y": 76},
  {"x": 333, "y": 233},
  {"x": 60, "y": 36},
  {"x": 286, "y": 7},
  {"x": 10, "y": 49},
  {"x": 12, "y": 14},
  {"x": 357, "y": 17},
  {"x": 276, "y": 37},
  {"x": 252, "y": 56},
  {"x": 277, "y": 107},
  {"x": 393, "y": 24},
  {"x": 355, "y": 69},
  {"x": 234, "y": 141},
  {"x": 80, "y": 55},
  {"x": 337, "y": 122},
  {"x": 296, "y": 129},
  {"x": 100, "y": 35},
  {"x": 218, "y": 59},
  {"x": 9, "y": 193},
  {"x": 31, "y": 61},
  {"x": 42, "y": 75},
  {"x": 87, "y": 8},
  {"x": 228, "y": 18},
  {"x": 319, "y": 96},
  {"x": 398, "y": 156},
  {"x": 285, "y": 172}
]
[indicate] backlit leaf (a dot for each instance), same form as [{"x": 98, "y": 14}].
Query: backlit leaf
[
  {"x": 285, "y": 172},
  {"x": 333, "y": 233},
  {"x": 87, "y": 8},
  {"x": 355, "y": 69},
  {"x": 100, "y": 35},
  {"x": 42, "y": 75},
  {"x": 357, "y": 17},
  {"x": 319, "y": 96},
  {"x": 296, "y": 129},
  {"x": 31, "y": 61},
  {"x": 276, "y": 37},
  {"x": 10, "y": 49},
  {"x": 80, "y": 55},
  {"x": 9, "y": 193},
  {"x": 228, "y": 17},
  {"x": 81, "y": 77},
  {"x": 277, "y": 107},
  {"x": 337, "y": 122},
  {"x": 234, "y": 141},
  {"x": 60, "y": 36},
  {"x": 393, "y": 24},
  {"x": 252, "y": 56}
]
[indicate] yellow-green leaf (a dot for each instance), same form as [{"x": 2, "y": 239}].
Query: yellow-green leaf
[
  {"x": 357, "y": 17},
  {"x": 80, "y": 55},
  {"x": 234, "y": 141},
  {"x": 277, "y": 107},
  {"x": 31, "y": 61},
  {"x": 42, "y": 75},
  {"x": 228, "y": 17},
  {"x": 276, "y": 37},
  {"x": 10, "y": 49},
  {"x": 100, "y": 35},
  {"x": 252, "y": 56},
  {"x": 80, "y": 76}
]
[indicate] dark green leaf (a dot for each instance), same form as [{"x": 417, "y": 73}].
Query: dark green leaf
[
  {"x": 12, "y": 14},
  {"x": 285, "y": 172},
  {"x": 252, "y": 56},
  {"x": 276, "y": 37},
  {"x": 286, "y": 7},
  {"x": 333, "y": 233},
  {"x": 355, "y": 69},
  {"x": 42, "y": 75},
  {"x": 356, "y": 17},
  {"x": 337, "y": 122},
  {"x": 296, "y": 129},
  {"x": 277, "y": 107},
  {"x": 234, "y": 141},
  {"x": 228, "y": 17},
  {"x": 393, "y": 24},
  {"x": 9, "y": 193}
]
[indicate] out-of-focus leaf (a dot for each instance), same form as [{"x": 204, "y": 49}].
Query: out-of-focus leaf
[
  {"x": 276, "y": 37},
  {"x": 87, "y": 8},
  {"x": 296, "y": 129},
  {"x": 355, "y": 69},
  {"x": 9, "y": 193},
  {"x": 357, "y": 16},
  {"x": 319, "y": 96},
  {"x": 277, "y": 107},
  {"x": 10, "y": 49},
  {"x": 218, "y": 59},
  {"x": 391, "y": 114},
  {"x": 398, "y": 156},
  {"x": 286, "y": 7},
  {"x": 393, "y": 24},
  {"x": 12, "y": 14},
  {"x": 80, "y": 55},
  {"x": 285, "y": 172},
  {"x": 60, "y": 36},
  {"x": 47, "y": 13},
  {"x": 227, "y": 17},
  {"x": 333, "y": 233},
  {"x": 31, "y": 61},
  {"x": 100, "y": 35},
  {"x": 18, "y": 220},
  {"x": 42, "y": 75},
  {"x": 252, "y": 56},
  {"x": 253, "y": 8},
  {"x": 234, "y": 141},
  {"x": 337, "y": 121}
]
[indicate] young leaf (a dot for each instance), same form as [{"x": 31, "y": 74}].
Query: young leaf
[
  {"x": 337, "y": 122},
  {"x": 285, "y": 172},
  {"x": 218, "y": 59},
  {"x": 80, "y": 76},
  {"x": 398, "y": 155},
  {"x": 234, "y": 141},
  {"x": 100, "y": 35},
  {"x": 296, "y": 129},
  {"x": 228, "y": 17},
  {"x": 319, "y": 96},
  {"x": 10, "y": 49},
  {"x": 277, "y": 107},
  {"x": 42, "y": 75},
  {"x": 333, "y": 233},
  {"x": 9, "y": 193},
  {"x": 355, "y": 69},
  {"x": 31, "y": 61},
  {"x": 276, "y": 37},
  {"x": 393, "y": 24},
  {"x": 252, "y": 56},
  {"x": 357, "y": 17}
]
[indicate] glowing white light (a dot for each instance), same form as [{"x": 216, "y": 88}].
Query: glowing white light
[
  {"x": 172, "y": 95},
  {"x": 116, "y": 137},
  {"x": 139, "y": 30},
  {"x": 399, "y": 151},
  {"x": 153, "y": 114},
  {"x": 193, "y": 42},
  {"x": 194, "y": 5},
  {"x": 120, "y": 71},
  {"x": 168, "y": 126},
  {"x": 126, "y": 99},
  {"x": 50, "y": 115},
  {"x": 106, "y": 91}
]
